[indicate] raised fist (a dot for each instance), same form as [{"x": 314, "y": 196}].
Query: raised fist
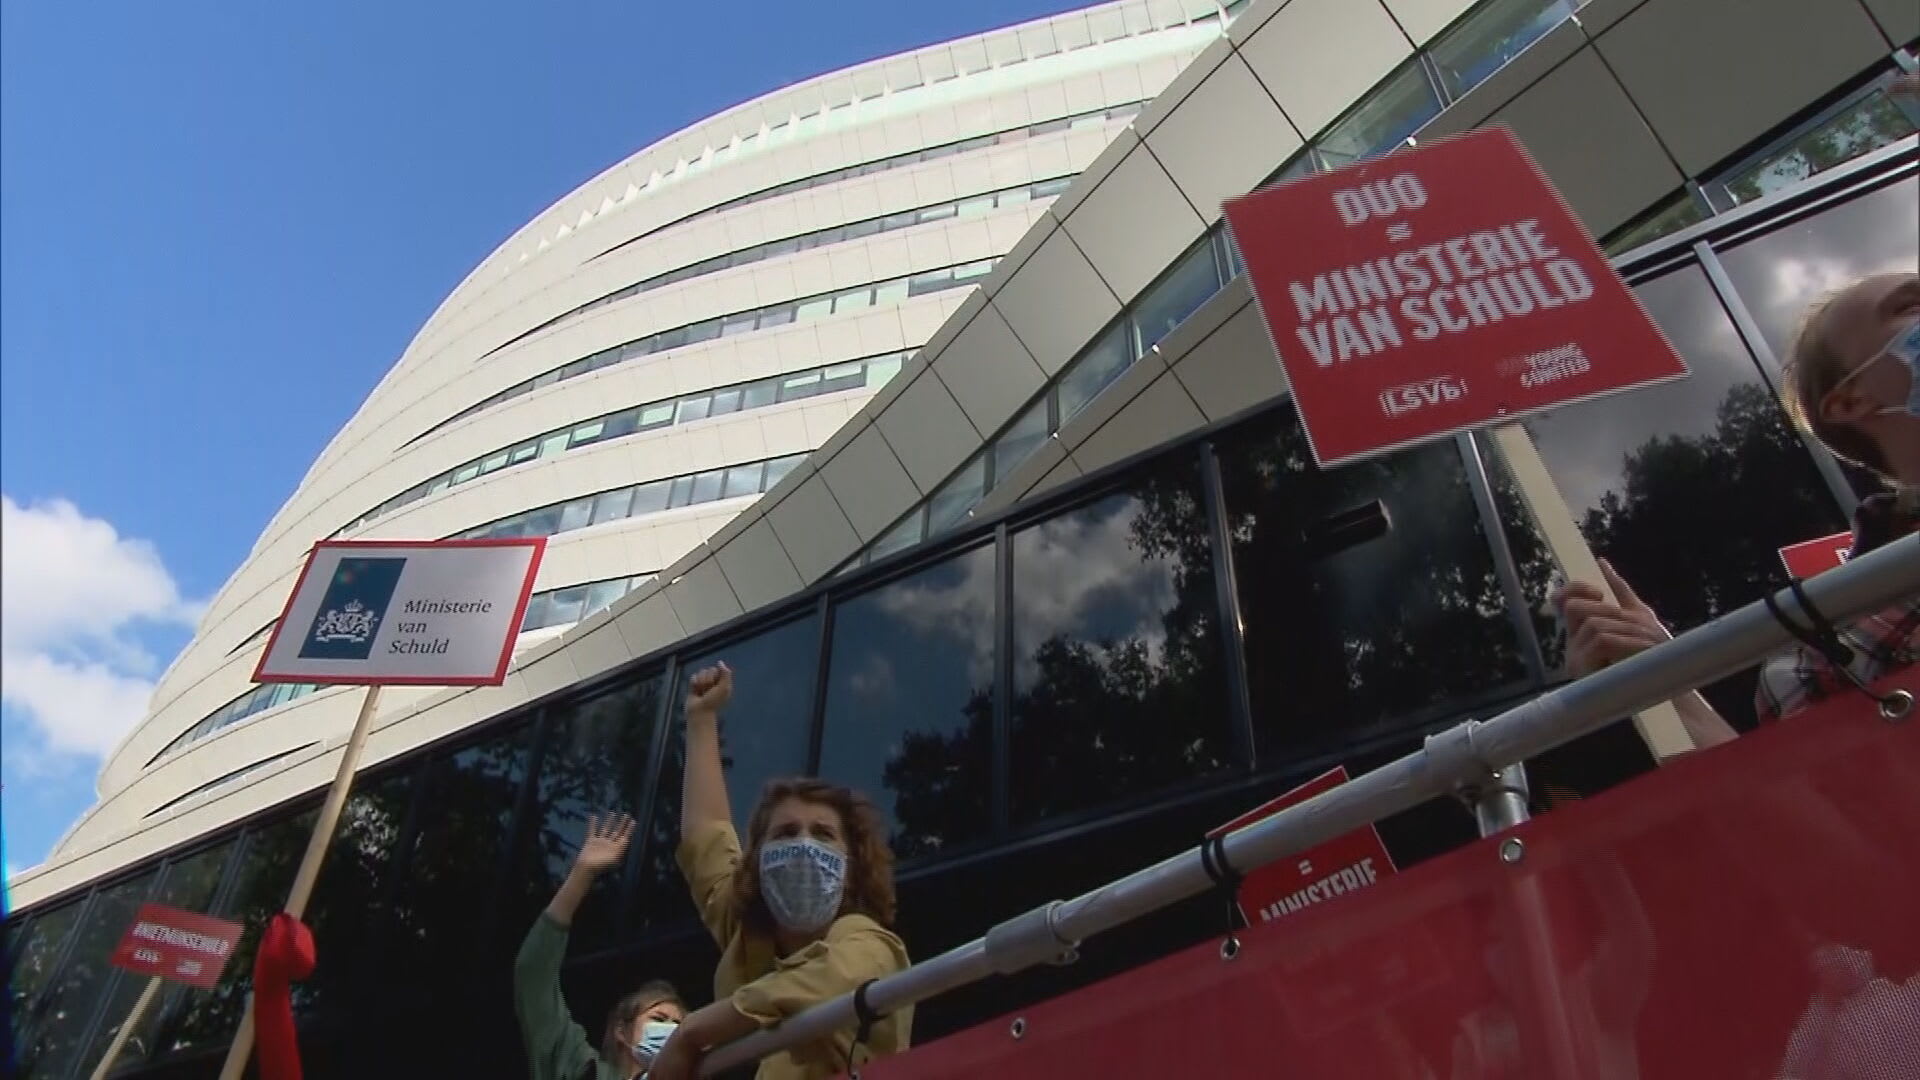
[{"x": 709, "y": 690}]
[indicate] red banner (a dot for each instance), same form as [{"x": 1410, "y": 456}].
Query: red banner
[
  {"x": 178, "y": 945},
  {"x": 1810, "y": 557},
  {"x": 1748, "y": 911},
  {"x": 1435, "y": 290},
  {"x": 1317, "y": 875}
]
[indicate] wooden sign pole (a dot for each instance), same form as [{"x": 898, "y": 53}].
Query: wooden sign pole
[
  {"x": 309, "y": 872},
  {"x": 134, "y": 1015},
  {"x": 1660, "y": 727}
]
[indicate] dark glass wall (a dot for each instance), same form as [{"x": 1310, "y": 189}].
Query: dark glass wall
[{"x": 1039, "y": 702}]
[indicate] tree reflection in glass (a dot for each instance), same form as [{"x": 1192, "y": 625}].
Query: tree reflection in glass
[
  {"x": 910, "y": 702},
  {"x": 1119, "y": 687},
  {"x": 1341, "y": 636}
]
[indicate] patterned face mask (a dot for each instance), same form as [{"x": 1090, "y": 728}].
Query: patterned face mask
[
  {"x": 653, "y": 1036},
  {"x": 802, "y": 881}
]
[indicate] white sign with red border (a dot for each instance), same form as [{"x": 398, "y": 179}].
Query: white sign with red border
[
  {"x": 1437, "y": 290},
  {"x": 421, "y": 613}
]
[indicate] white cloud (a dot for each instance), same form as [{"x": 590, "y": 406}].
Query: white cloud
[{"x": 73, "y": 594}]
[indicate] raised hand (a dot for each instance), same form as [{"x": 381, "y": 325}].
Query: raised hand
[
  {"x": 606, "y": 843},
  {"x": 709, "y": 690},
  {"x": 1602, "y": 632}
]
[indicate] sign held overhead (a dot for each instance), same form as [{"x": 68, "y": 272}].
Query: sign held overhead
[
  {"x": 434, "y": 613},
  {"x": 176, "y": 945},
  {"x": 1436, "y": 290}
]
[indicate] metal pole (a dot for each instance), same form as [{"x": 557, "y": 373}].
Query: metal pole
[
  {"x": 309, "y": 872},
  {"x": 119, "y": 1043},
  {"x": 1461, "y": 754}
]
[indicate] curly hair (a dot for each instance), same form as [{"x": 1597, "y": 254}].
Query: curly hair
[
  {"x": 869, "y": 889},
  {"x": 613, "y": 1041}
]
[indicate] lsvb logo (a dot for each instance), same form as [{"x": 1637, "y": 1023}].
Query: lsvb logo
[{"x": 351, "y": 610}]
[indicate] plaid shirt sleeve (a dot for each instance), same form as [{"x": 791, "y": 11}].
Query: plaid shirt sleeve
[{"x": 1882, "y": 644}]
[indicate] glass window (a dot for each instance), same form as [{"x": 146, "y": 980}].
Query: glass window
[
  {"x": 603, "y": 593},
  {"x": 494, "y": 463},
  {"x": 568, "y": 605},
  {"x": 1094, "y": 370},
  {"x": 1336, "y": 641},
  {"x": 778, "y": 468},
  {"x": 681, "y": 492},
  {"x": 653, "y": 416},
  {"x": 937, "y": 213},
  {"x": 854, "y": 299},
  {"x": 465, "y": 473},
  {"x": 804, "y": 385},
  {"x": 764, "y": 735},
  {"x": 703, "y": 331},
  {"x": 779, "y": 315},
  {"x": 649, "y": 498},
  {"x": 978, "y": 269},
  {"x": 910, "y": 531},
  {"x": 694, "y": 408},
  {"x": 621, "y": 423},
  {"x": 536, "y": 616},
  {"x": 909, "y": 710},
  {"x": 346, "y": 898},
  {"x": 890, "y": 292},
  {"x": 706, "y": 486},
  {"x": 612, "y": 505},
  {"x": 881, "y": 371},
  {"x": 842, "y": 377},
  {"x": 1491, "y": 36},
  {"x": 1395, "y": 109},
  {"x": 33, "y": 957},
  {"x": 725, "y": 401},
  {"x": 542, "y": 522},
  {"x": 58, "y": 1039},
  {"x": 949, "y": 505},
  {"x": 1114, "y": 633},
  {"x": 1191, "y": 283},
  {"x": 589, "y": 432},
  {"x": 1676, "y": 212},
  {"x": 739, "y": 324},
  {"x": 760, "y": 394},
  {"x": 1710, "y": 455},
  {"x": 524, "y": 452},
  {"x": 670, "y": 339},
  {"x": 456, "y": 859},
  {"x": 1865, "y": 125},
  {"x": 743, "y": 480},
  {"x": 932, "y": 281},
  {"x": 577, "y": 514},
  {"x": 1019, "y": 440},
  {"x": 1014, "y": 197},
  {"x": 817, "y": 308},
  {"x": 259, "y": 889},
  {"x": 550, "y": 445},
  {"x": 595, "y": 762}
]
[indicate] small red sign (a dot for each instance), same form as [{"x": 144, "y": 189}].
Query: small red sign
[
  {"x": 1436, "y": 290},
  {"x": 178, "y": 945},
  {"x": 1810, "y": 557},
  {"x": 1342, "y": 865}
]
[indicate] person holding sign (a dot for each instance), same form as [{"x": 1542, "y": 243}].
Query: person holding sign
[
  {"x": 639, "y": 1024},
  {"x": 803, "y": 914},
  {"x": 1853, "y": 382}
]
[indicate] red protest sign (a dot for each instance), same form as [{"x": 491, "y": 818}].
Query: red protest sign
[
  {"x": 1436, "y": 290},
  {"x": 1342, "y": 865},
  {"x": 177, "y": 945},
  {"x": 1810, "y": 557}
]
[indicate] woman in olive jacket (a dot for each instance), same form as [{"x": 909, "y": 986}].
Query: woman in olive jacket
[{"x": 557, "y": 1047}]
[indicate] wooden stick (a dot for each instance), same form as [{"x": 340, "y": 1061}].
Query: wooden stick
[
  {"x": 309, "y": 872},
  {"x": 1660, "y": 727},
  {"x": 134, "y": 1016}
]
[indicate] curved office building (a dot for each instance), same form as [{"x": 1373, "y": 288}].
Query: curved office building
[{"x": 929, "y": 394}]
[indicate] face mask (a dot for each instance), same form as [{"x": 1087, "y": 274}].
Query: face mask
[
  {"x": 1905, "y": 349},
  {"x": 802, "y": 881},
  {"x": 653, "y": 1036}
]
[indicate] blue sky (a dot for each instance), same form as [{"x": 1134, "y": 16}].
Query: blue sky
[{"x": 219, "y": 224}]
